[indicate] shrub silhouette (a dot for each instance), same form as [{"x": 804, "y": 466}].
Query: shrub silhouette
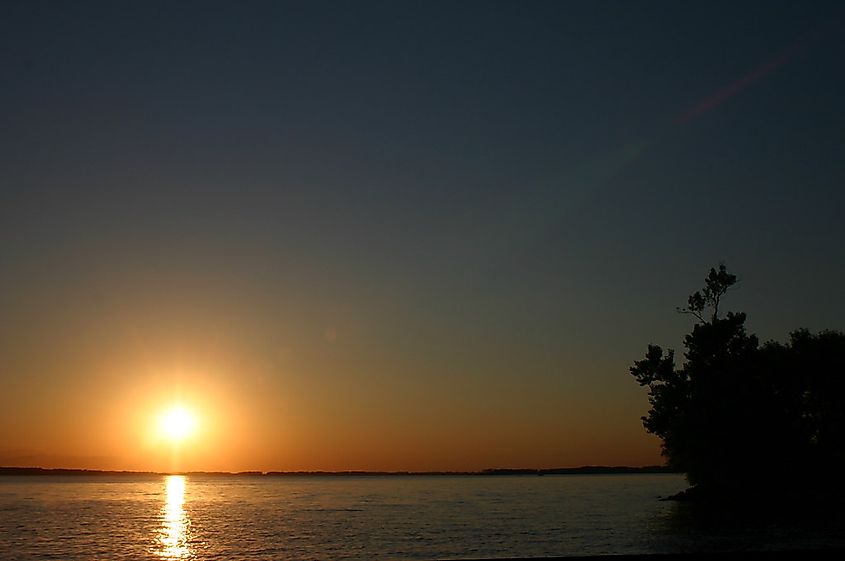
[{"x": 740, "y": 417}]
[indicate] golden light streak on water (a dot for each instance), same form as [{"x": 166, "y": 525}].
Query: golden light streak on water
[{"x": 174, "y": 531}]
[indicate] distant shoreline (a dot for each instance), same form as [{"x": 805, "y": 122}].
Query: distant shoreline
[{"x": 583, "y": 470}]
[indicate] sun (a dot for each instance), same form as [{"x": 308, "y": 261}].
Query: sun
[{"x": 177, "y": 423}]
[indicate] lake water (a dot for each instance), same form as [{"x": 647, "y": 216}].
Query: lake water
[{"x": 395, "y": 517}]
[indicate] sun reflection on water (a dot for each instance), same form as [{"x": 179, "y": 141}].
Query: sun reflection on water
[{"x": 175, "y": 525}]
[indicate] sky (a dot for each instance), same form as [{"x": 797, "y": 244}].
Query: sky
[{"x": 396, "y": 235}]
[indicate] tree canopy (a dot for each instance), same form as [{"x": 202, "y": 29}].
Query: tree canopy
[{"x": 738, "y": 416}]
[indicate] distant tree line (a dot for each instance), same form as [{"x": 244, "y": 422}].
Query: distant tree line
[{"x": 742, "y": 418}]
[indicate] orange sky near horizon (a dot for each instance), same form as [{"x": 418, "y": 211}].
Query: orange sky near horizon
[
  {"x": 115, "y": 427},
  {"x": 331, "y": 401}
]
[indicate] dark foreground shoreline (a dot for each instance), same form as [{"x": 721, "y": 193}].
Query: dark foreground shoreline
[
  {"x": 827, "y": 554},
  {"x": 583, "y": 470}
]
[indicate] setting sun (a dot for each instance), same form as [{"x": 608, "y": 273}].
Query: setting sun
[{"x": 177, "y": 423}]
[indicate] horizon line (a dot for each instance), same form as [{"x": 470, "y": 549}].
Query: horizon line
[{"x": 587, "y": 470}]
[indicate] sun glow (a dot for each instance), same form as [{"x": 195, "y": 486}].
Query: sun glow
[
  {"x": 177, "y": 424},
  {"x": 182, "y": 422}
]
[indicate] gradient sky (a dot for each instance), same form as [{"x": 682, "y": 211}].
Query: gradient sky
[{"x": 396, "y": 235}]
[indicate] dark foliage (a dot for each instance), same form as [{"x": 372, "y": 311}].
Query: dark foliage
[{"x": 740, "y": 417}]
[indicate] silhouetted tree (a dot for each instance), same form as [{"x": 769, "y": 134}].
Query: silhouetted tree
[
  {"x": 741, "y": 417},
  {"x": 716, "y": 285}
]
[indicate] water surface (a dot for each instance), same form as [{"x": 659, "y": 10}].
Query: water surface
[{"x": 357, "y": 518}]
